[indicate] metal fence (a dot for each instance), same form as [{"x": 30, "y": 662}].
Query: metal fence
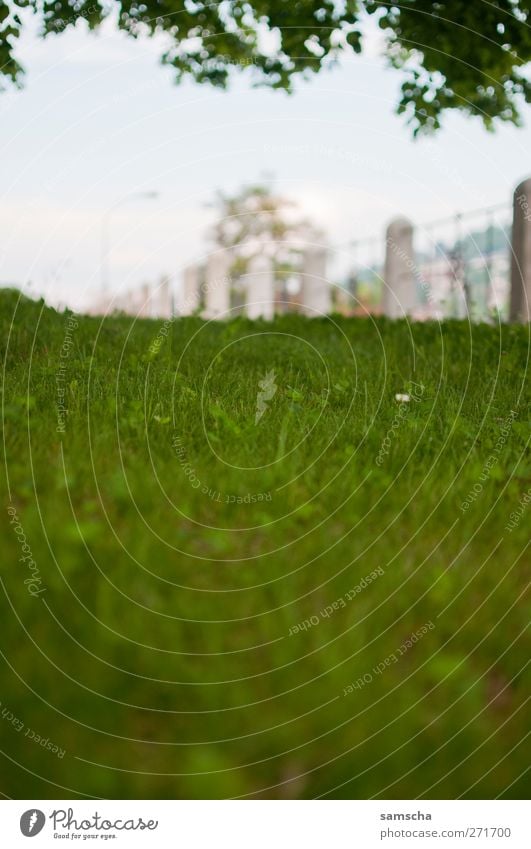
[{"x": 461, "y": 266}]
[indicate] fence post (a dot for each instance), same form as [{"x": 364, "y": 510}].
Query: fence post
[
  {"x": 165, "y": 300},
  {"x": 520, "y": 303},
  {"x": 316, "y": 295},
  {"x": 217, "y": 287},
  {"x": 260, "y": 288},
  {"x": 190, "y": 301},
  {"x": 146, "y": 304},
  {"x": 400, "y": 291}
]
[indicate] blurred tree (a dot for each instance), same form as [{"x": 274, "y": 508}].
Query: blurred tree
[
  {"x": 454, "y": 54},
  {"x": 256, "y": 221}
]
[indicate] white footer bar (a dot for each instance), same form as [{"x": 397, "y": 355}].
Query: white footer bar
[{"x": 266, "y": 824}]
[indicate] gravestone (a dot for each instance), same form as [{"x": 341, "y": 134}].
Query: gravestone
[
  {"x": 400, "y": 291},
  {"x": 520, "y": 302},
  {"x": 315, "y": 293},
  {"x": 217, "y": 285},
  {"x": 260, "y": 288}
]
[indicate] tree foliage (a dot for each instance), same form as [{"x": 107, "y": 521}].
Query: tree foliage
[
  {"x": 454, "y": 54},
  {"x": 255, "y": 221}
]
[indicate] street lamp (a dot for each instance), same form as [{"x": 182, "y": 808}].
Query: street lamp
[{"x": 105, "y": 232}]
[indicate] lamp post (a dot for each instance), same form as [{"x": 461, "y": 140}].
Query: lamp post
[{"x": 105, "y": 233}]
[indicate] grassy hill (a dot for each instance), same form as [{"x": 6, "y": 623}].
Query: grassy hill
[{"x": 234, "y": 565}]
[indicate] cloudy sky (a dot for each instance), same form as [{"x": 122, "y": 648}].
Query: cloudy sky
[{"x": 100, "y": 119}]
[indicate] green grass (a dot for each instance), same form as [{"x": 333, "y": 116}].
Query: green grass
[{"x": 159, "y": 656}]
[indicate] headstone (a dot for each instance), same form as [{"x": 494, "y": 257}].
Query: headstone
[
  {"x": 260, "y": 288},
  {"x": 315, "y": 293},
  {"x": 217, "y": 285},
  {"x": 400, "y": 291},
  {"x": 520, "y": 303},
  {"x": 190, "y": 300}
]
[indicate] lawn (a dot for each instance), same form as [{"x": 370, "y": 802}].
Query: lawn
[{"x": 234, "y": 565}]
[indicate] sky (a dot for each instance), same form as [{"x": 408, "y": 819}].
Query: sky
[{"x": 99, "y": 120}]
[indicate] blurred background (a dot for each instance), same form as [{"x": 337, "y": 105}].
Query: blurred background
[{"x": 110, "y": 170}]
